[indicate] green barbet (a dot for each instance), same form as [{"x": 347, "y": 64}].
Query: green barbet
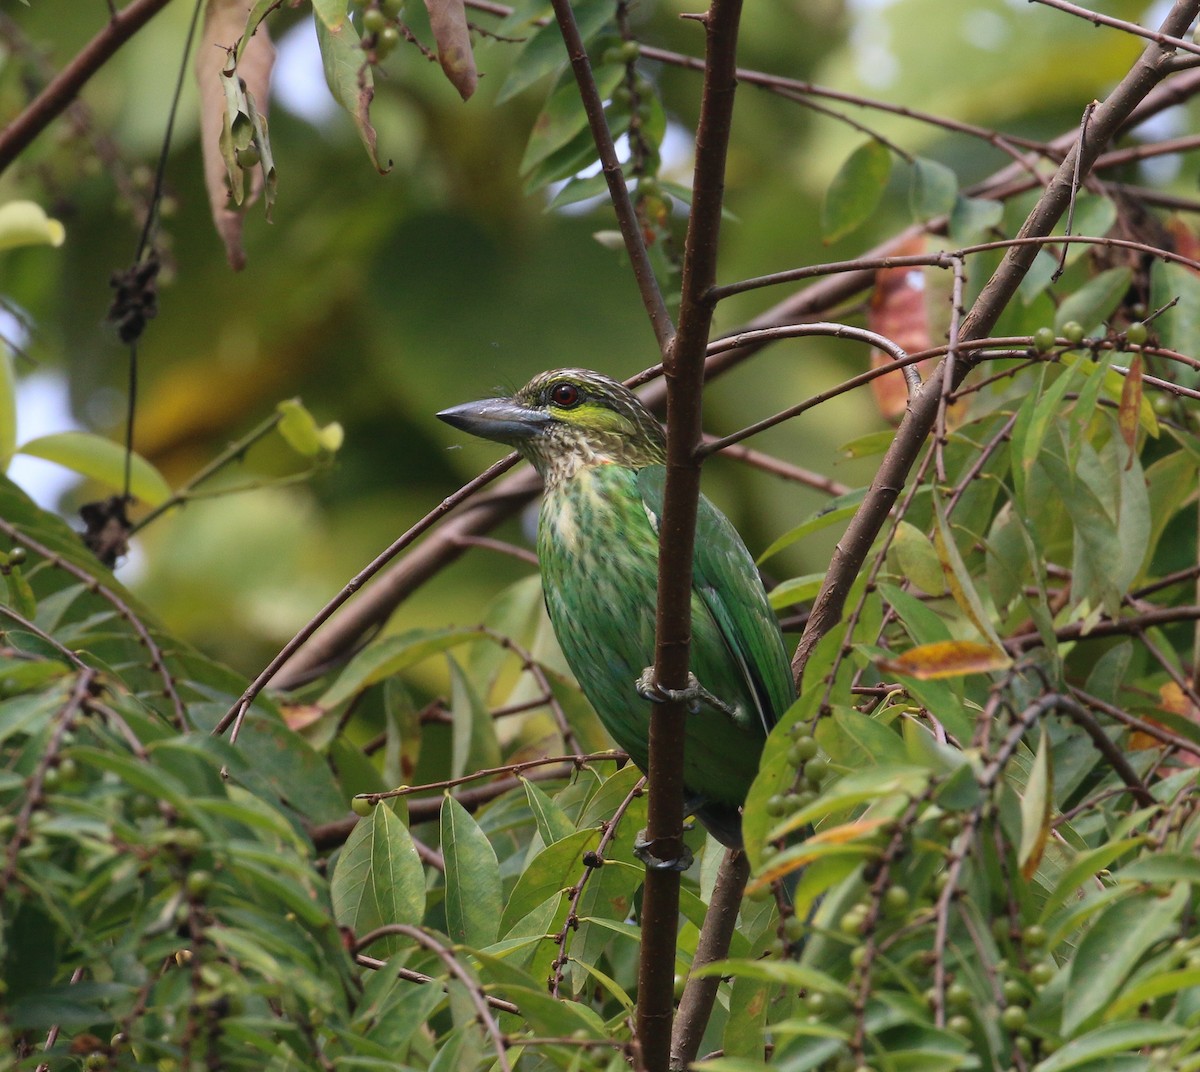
[{"x": 600, "y": 454}]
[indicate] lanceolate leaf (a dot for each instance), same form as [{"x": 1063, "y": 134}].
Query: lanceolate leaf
[
  {"x": 378, "y": 878},
  {"x": 856, "y": 190},
  {"x": 473, "y": 901},
  {"x": 1113, "y": 944},
  {"x": 350, "y": 80},
  {"x": 1036, "y": 806}
]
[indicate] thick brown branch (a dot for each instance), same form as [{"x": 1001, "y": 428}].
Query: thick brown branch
[
  {"x": 684, "y": 370},
  {"x": 63, "y": 89},
  {"x": 699, "y": 995}
]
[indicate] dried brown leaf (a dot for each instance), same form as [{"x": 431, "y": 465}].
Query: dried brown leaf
[
  {"x": 224, "y": 24},
  {"x": 898, "y": 311},
  {"x": 448, "y": 21}
]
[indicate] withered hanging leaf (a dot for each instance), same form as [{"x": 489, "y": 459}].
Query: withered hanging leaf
[
  {"x": 947, "y": 658},
  {"x": 448, "y": 21},
  {"x": 898, "y": 311},
  {"x": 1130, "y": 411},
  {"x": 226, "y": 124}
]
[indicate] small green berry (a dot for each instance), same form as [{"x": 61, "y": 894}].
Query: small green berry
[
  {"x": 1014, "y": 992},
  {"x": 776, "y": 806},
  {"x": 1073, "y": 331},
  {"x": 374, "y": 20},
  {"x": 361, "y": 806},
  {"x": 806, "y": 745},
  {"x": 960, "y": 1025},
  {"x": 1044, "y": 340},
  {"x": 795, "y": 928},
  {"x": 1013, "y": 1018},
  {"x": 1034, "y": 936},
  {"x": 858, "y": 956},
  {"x": 394, "y": 8},
  {"x": 854, "y": 921},
  {"x": 386, "y": 40},
  {"x": 630, "y": 50},
  {"x": 1136, "y": 333},
  {"x": 16, "y": 556},
  {"x": 816, "y": 770},
  {"x": 896, "y": 900},
  {"x": 248, "y": 157},
  {"x": 816, "y": 1002},
  {"x": 1041, "y": 973},
  {"x": 198, "y": 883},
  {"x": 959, "y": 996}
]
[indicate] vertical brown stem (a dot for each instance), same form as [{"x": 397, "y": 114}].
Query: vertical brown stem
[{"x": 684, "y": 370}]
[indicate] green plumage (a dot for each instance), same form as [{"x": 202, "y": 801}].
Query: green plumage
[{"x": 600, "y": 453}]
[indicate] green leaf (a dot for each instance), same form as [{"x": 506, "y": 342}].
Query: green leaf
[
  {"x": 332, "y": 13},
  {"x": 916, "y": 560},
  {"x": 973, "y": 218},
  {"x": 1095, "y": 301},
  {"x": 543, "y": 51},
  {"x": 934, "y": 190},
  {"x": 786, "y": 973},
  {"x": 856, "y": 190},
  {"x": 473, "y": 900},
  {"x": 876, "y": 783},
  {"x": 345, "y": 65},
  {"x": 795, "y": 590},
  {"x": 102, "y": 460},
  {"x": 1126, "y": 1037},
  {"x": 1112, "y": 946},
  {"x": 24, "y": 223},
  {"x": 555, "y": 868},
  {"x": 840, "y": 509},
  {"x": 378, "y": 878},
  {"x": 302, "y": 433},
  {"x": 563, "y": 118},
  {"x": 552, "y": 823},
  {"x": 388, "y": 657},
  {"x": 473, "y": 744},
  {"x": 1178, "y": 328},
  {"x": 1036, "y": 809},
  {"x": 1081, "y": 868}
]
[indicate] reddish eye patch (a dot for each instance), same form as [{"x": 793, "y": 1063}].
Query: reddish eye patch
[{"x": 565, "y": 395}]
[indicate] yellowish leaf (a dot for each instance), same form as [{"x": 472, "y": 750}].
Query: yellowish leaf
[{"x": 947, "y": 658}]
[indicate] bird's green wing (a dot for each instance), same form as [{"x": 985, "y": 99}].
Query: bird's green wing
[{"x": 728, "y": 583}]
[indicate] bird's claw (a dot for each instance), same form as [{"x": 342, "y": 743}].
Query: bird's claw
[
  {"x": 641, "y": 849},
  {"x": 695, "y": 695}
]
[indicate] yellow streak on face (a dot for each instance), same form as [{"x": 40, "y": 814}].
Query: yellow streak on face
[{"x": 592, "y": 415}]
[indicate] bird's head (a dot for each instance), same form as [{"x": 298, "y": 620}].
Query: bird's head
[{"x": 565, "y": 420}]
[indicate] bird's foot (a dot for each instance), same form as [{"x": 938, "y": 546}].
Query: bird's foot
[
  {"x": 695, "y": 695},
  {"x": 641, "y": 849}
]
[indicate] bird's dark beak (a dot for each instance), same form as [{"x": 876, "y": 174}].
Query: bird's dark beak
[{"x": 497, "y": 418}]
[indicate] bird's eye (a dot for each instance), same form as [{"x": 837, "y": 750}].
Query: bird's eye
[{"x": 565, "y": 395}]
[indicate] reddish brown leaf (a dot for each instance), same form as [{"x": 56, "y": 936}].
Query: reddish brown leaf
[
  {"x": 448, "y": 21},
  {"x": 1170, "y": 698},
  {"x": 299, "y": 716},
  {"x": 947, "y": 658},
  {"x": 224, "y": 24},
  {"x": 898, "y": 311}
]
